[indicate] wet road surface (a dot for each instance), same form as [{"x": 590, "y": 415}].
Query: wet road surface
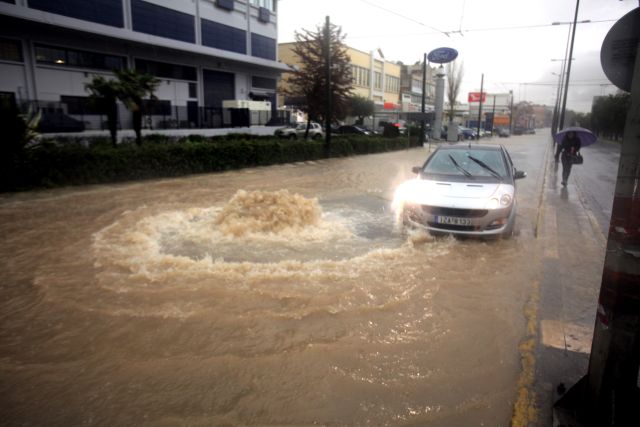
[{"x": 154, "y": 303}]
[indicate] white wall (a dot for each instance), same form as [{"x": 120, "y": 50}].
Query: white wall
[
  {"x": 184, "y": 6},
  {"x": 13, "y": 79},
  {"x": 53, "y": 82},
  {"x": 236, "y": 18},
  {"x": 176, "y": 91}
]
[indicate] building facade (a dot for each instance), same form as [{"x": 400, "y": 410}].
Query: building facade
[
  {"x": 204, "y": 52},
  {"x": 411, "y": 88},
  {"x": 373, "y": 77}
]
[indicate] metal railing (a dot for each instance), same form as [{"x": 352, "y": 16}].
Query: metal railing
[{"x": 59, "y": 116}]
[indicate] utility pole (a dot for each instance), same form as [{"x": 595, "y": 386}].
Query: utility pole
[
  {"x": 424, "y": 92},
  {"x": 493, "y": 113},
  {"x": 568, "y": 65},
  {"x": 328, "y": 109},
  {"x": 511, "y": 112},
  {"x": 480, "y": 106}
]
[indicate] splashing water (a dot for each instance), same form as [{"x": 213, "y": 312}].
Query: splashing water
[
  {"x": 257, "y": 233},
  {"x": 274, "y": 212}
]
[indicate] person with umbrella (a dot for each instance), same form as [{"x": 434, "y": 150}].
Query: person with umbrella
[{"x": 568, "y": 149}]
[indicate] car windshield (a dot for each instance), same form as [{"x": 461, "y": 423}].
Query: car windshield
[{"x": 477, "y": 162}]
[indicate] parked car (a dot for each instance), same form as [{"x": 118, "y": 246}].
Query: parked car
[
  {"x": 529, "y": 131},
  {"x": 462, "y": 190},
  {"x": 468, "y": 132},
  {"x": 385, "y": 127},
  {"x": 353, "y": 130},
  {"x": 503, "y": 132},
  {"x": 298, "y": 131},
  {"x": 445, "y": 130}
]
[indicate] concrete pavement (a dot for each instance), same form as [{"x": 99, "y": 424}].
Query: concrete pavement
[{"x": 572, "y": 244}]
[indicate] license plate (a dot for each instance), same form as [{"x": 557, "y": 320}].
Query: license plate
[{"x": 452, "y": 220}]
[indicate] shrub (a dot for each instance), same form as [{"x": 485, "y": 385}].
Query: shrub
[{"x": 73, "y": 163}]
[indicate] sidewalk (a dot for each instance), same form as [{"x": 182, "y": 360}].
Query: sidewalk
[{"x": 573, "y": 249}]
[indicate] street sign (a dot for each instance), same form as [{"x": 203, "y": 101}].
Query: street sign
[
  {"x": 475, "y": 97},
  {"x": 442, "y": 55},
  {"x": 618, "y": 53}
]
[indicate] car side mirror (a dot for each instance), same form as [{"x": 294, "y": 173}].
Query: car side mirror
[
  {"x": 519, "y": 175},
  {"x": 416, "y": 169}
]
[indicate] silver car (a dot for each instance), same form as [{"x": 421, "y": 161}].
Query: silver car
[{"x": 464, "y": 189}]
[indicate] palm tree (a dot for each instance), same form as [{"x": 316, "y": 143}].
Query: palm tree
[
  {"x": 134, "y": 88},
  {"x": 105, "y": 94}
]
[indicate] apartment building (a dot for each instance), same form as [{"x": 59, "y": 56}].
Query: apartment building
[
  {"x": 204, "y": 52},
  {"x": 411, "y": 88},
  {"x": 374, "y": 77}
]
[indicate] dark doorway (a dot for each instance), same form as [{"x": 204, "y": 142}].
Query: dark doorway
[
  {"x": 218, "y": 87},
  {"x": 192, "y": 114}
]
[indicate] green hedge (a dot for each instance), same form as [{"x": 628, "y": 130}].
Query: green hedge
[{"x": 84, "y": 161}]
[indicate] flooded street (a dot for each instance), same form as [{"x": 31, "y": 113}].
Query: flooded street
[{"x": 164, "y": 303}]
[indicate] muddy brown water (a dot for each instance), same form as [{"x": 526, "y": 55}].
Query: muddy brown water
[{"x": 298, "y": 302}]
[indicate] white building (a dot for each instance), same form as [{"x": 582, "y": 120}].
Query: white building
[{"x": 204, "y": 51}]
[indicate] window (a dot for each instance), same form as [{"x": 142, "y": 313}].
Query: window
[
  {"x": 156, "y": 107},
  {"x": 166, "y": 70},
  {"x": 392, "y": 84},
  {"x": 107, "y": 12},
  {"x": 267, "y": 4},
  {"x": 80, "y": 105},
  {"x": 263, "y": 47},
  {"x": 377, "y": 79},
  {"x": 160, "y": 21},
  {"x": 263, "y": 82},
  {"x": 193, "y": 90},
  {"x": 78, "y": 58},
  {"x": 10, "y": 50},
  {"x": 360, "y": 76},
  {"x": 223, "y": 37}
]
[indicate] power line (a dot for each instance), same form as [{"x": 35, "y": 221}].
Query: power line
[
  {"x": 574, "y": 83},
  {"x": 469, "y": 30},
  {"x": 405, "y": 17}
]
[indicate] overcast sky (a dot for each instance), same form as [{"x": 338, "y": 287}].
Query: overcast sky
[{"x": 511, "y": 41}]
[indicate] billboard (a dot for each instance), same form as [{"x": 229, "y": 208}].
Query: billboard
[{"x": 475, "y": 97}]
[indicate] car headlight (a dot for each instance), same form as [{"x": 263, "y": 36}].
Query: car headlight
[
  {"x": 493, "y": 203},
  {"x": 505, "y": 200}
]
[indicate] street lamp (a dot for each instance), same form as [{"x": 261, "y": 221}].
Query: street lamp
[
  {"x": 572, "y": 32},
  {"x": 556, "y": 109}
]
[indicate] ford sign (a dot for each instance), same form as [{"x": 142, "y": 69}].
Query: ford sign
[{"x": 442, "y": 55}]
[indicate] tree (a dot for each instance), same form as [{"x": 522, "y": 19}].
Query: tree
[
  {"x": 360, "y": 107},
  {"x": 522, "y": 112},
  {"x": 455, "y": 73},
  {"x": 134, "y": 88},
  {"x": 309, "y": 79},
  {"x": 105, "y": 93},
  {"x": 609, "y": 113}
]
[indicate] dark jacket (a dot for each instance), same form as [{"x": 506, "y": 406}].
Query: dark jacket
[{"x": 570, "y": 145}]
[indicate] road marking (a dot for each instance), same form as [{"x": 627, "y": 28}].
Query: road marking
[{"x": 525, "y": 412}]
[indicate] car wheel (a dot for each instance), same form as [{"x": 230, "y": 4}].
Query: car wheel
[
  {"x": 509, "y": 231},
  {"x": 293, "y": 136},
  {"x": 317, "y": 136}
]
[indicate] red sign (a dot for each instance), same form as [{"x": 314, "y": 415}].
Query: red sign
[
  {"x": 475, "y": 97},
  {"x": 390, "y": 106}
]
